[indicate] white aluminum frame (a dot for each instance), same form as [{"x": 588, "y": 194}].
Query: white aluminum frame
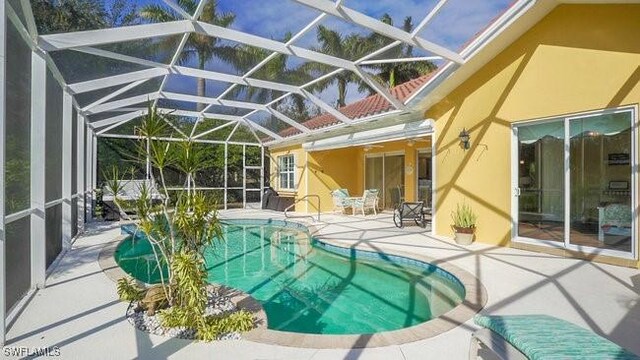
[
  {"x": 566, "y": 244},
  {"x": 85, "y": 41},
  {"x": 3, "y": 275},
  {"x": 37, "y": 168}
]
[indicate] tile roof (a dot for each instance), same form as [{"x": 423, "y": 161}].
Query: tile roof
[{"x": 371, "y": 105}]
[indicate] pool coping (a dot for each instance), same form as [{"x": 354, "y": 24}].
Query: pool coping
[{"x": 475, "y": 299}]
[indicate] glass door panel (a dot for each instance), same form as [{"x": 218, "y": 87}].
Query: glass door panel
[
  {"x": 541, "y": 181},
  {"x": 373, "y": 178},
  {"x": 424, "y": 178},
  {"x": 393, "y": 180},
  {"x": 600, "y": 180}
]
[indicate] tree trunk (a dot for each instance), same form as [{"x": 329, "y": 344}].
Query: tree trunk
[
  {"x": 342, "y": 92},
  {"x": 392, "y": 78},
  {"x": 202, "y": 83}
]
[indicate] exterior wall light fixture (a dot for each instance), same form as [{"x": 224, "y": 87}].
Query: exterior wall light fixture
[{"x": 465, "y": 139}]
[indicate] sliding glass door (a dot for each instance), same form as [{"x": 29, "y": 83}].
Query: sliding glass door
[
  {"x": 574, "y": 183},
  {"x": 540, "y": 181},
  {"x": 601, "y": 152},
  {"x": 385, "y": 172}
]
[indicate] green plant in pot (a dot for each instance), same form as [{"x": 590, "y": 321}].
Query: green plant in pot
[{"x": 464, "y": 224}]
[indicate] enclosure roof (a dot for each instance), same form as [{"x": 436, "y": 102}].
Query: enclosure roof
[{"x": 277, "y": 69}]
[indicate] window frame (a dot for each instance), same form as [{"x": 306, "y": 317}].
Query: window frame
[{"x": 287, "y": 172}]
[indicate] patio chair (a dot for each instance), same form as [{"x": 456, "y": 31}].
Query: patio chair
[
  {"x": 369, "y": 201},
  {"x": 541, "y": 337},
  {"x": 341, "y": 200},
  {"x": 408, "y": 211}
]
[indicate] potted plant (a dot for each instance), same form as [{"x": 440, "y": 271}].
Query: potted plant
[{"x": 464, "y": 224}]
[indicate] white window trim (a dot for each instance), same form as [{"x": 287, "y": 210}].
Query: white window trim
[{"x": 281, "y": 172}]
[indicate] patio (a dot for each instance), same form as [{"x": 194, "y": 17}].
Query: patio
[{"x": 87, "y": 319}]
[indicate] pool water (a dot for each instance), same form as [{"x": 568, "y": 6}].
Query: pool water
[{"x": 307, "y": 286}]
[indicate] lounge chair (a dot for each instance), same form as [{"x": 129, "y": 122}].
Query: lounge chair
[
  {"x": 369, "y": 201},
  {"x": 341, "y": 200},
  {"x": 410, "y": 211},
  {"x": 538, "y": 337}
]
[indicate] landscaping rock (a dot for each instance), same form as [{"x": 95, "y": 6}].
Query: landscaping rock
[{"x": 218, "y": 303}]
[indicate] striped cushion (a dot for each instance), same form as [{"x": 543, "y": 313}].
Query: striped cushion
[{"x": 545, "y": 337}]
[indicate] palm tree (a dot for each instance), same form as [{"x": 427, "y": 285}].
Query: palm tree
[
  {"x": 277, "y": 69},
  {"x": 351, "y": 46},
  {"x": 79, "y": 15},
  {"x": 392, "y": 74},
  {"x": 202, "y": 48}
]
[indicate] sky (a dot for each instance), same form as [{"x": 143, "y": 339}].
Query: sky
[{"x": 457, "y": 22}]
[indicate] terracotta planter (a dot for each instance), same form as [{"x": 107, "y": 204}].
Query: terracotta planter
[{"x": 464, "y": 236}]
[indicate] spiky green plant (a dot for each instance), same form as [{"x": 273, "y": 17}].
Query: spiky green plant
[
  {"x": 191, "y": 224},
  {"x": 215, "y": 325},
  {"x": 129, "y": 290},
  {"x": 464, "y": 217}
]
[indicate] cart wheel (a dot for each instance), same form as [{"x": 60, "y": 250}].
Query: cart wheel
[
  {"x": 397, "y": 219},
  {"x": 421, "y": 222}
]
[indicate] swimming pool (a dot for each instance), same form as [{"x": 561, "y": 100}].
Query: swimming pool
[{"x": 308, "y": 286}]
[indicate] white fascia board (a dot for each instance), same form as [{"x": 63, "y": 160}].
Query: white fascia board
[
  {"x": 124, "y": 102},
  {"x": 105, "y": 82},
  {"x": 390, "y": 133},
  {"x": 76, "y": 39},
  {"x": 273, "y": 45},
  {"x": 492, "y": 41},
  {"x": 379, "y": 27}
]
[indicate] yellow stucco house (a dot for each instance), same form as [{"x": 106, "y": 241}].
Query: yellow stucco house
[{"x": 550, "y": 102}]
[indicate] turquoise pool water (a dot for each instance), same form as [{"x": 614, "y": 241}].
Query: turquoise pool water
[{"x": 307, "y": 286}]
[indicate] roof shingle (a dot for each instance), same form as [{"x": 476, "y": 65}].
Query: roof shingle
[{"x": 371, "y": 105}]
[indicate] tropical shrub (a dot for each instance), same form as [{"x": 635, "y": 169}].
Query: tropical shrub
[
  {"x": 129, "y": 290},
  {"x": 179, "y": 226}
]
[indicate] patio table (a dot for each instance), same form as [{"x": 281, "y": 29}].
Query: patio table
[{"x": 350, "y": 200}]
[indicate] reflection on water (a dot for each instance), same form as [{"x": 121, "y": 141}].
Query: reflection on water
[{"x": 304, "y": 288}]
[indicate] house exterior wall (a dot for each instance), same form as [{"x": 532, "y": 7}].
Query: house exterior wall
[
  {"x": 577, "y": 59},
  {"x": 320, "y": 172}
]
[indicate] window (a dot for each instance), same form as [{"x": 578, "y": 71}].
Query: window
[{"x": 286, "y": 172}]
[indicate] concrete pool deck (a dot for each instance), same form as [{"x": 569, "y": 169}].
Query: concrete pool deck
[{"x": 79, "y": 311}]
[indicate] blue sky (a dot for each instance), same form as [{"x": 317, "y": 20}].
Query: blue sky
[{"x": 457, "y": 22}]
